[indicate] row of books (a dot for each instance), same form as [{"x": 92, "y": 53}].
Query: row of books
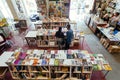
[
  {"x": 55, "y": 19},
  {"x": 57, "y": 54}
]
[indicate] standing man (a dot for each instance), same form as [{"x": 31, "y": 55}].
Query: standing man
[{"x": 69, "y": 37}]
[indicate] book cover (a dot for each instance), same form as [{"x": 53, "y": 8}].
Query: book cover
[
  {"x": 35, "y": 62},
  {"x": 51, "y": 62},
  {"x": 52, "y": 55},
  {"x": 67, "y": 62},
  {"x": 107, "y": 67},
  {"x": 22, "y": 55},
  {"x": 61, "y": 61},
  {"x": 75, "y": 55},
  {"x": 69, "y": 56},
  {"x": 44, "y": 62},
  {"x": 17, "y": 61},
  {"x": 56, "y": 62}
]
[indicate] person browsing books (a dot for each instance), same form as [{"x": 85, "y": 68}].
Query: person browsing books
[
  {"x": 60, "y": 38},
  {"x": 69, "y": 37}
]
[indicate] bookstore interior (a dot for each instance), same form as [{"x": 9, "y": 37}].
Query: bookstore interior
[{"x": 59, "y": 39}]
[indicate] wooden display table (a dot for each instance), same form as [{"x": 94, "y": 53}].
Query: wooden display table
[
  {"x": 107, "y": 37},
  {"x": 46, "y": 37},
  {"x": 108, "y": 34},
  {"x": 55, "y": 64}
]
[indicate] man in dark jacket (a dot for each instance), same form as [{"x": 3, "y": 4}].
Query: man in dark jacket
[{"x": 60, "y": 38}]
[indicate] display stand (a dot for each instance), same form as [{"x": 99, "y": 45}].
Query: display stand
[
  {"x": 60, "y": 64},
  {"x": 55, "y": 64}
]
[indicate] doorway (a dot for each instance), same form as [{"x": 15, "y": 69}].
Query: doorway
[{"x": 80, "y": 8}]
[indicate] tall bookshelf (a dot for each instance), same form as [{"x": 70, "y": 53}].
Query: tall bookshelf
[
  {"x": 59, "y": 8},
  {"x": 55, "y": 22},
  {"x": 42, "y": 6},
  {"x": 65, "y": 12}
]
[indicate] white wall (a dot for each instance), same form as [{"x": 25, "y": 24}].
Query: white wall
[{"x": 118, "y": 6}]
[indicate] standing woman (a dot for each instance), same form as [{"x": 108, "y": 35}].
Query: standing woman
[{"x": 60, "y": 37}]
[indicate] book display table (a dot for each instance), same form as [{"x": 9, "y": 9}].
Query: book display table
[
  {"x": 109, "y": 38},
  {"x": 55, "y": 64},
  {"x": 95, "y": 21}
]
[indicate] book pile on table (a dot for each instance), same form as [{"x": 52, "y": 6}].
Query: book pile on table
[{"x": 59, "y": 57}]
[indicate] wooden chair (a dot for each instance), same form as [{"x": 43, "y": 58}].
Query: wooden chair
[{"x": 2, "y": 73}]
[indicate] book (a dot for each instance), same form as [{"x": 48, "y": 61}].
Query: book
[
  {"x": 40, "y": 62},
  {"x": 75, "y": 55},
  {"x": 29, "y": 52},
  {"x": 17, "y": 61},
  {"x": 107, "y": 67},
  {"x": 44, "y": 62},
  {"x": 52, "y": 55},
  {"x": 69, "y": 56},
  {"x": 67, "y": 62},
  {"x": 22, "y": 55},
  {"x": 10, "y": 60},
  {"x": 51, "y": 61},
  {"x": 35, "y": 62},
  {"x": 31, "y": 62},
  {"x": 56, "y": 62},
  {"x": 61, "y": 61}
]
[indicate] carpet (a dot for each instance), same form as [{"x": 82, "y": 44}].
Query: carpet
[{"x": 97, "y": 75}]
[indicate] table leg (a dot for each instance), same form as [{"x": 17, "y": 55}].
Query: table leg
[
  {"x": 106, "y": 73},
  {"x": 27, "y": 41}
]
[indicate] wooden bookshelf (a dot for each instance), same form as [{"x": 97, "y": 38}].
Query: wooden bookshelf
[
  {"x": 55, "y": 22},
  {"x": 42, "y": 6},
  {"x": 59, "y": 8}
]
